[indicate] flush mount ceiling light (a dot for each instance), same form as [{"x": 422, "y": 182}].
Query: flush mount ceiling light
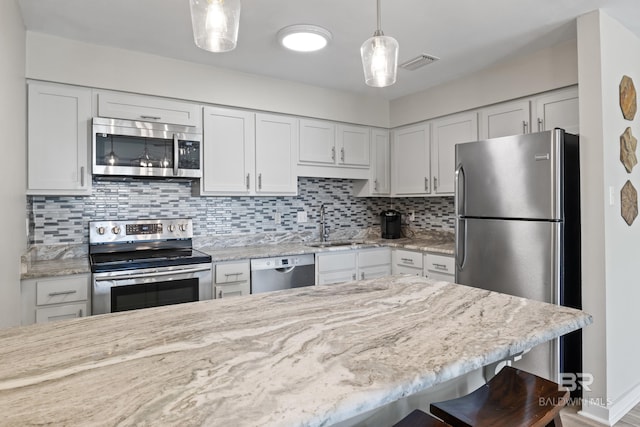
[
  {"x": 304, "y": 37},
  {"x": 215, "y": 24},
  {"x": 379, "y": 58}
]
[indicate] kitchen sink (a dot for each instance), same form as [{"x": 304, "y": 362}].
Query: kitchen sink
[{"x": 333, "y": 244}]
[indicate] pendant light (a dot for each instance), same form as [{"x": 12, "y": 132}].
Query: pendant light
[
  {"x": 215, "y": 24},
  {"x": 379, "y": 58}
]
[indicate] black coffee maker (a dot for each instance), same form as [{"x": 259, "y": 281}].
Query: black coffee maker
[{"x": 390, "y": 224}]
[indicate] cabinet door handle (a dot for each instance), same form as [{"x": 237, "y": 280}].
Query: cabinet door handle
[
  {"x": 55, "y": 294},
  {"x": 354, "y": 276},
  {"x": 362, "y": 275},
  {"x": 259, "y": 181},
  {"x": 80, "y": 313},
  {"x": 333, "y": 153},
  {"x": 151, "y": 117},
  {"x": 435, "y": 183},
  {"x": 248, "y": 181},
  {"x": 342, "y": 154},
  {"x": 540, "y": 125},
  {"x": 525, "y": 126},
  {"x": 375, "y": 184},
  {"x": 81, "y": 176},
  {"x": 426, "y": 184},
  {"x": 220, "y": 294}
]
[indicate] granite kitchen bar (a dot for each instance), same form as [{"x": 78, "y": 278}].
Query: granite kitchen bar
[{"x": 313, "y": 356}]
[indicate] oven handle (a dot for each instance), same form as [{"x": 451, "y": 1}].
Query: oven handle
[{"x": 152, "y": 274}]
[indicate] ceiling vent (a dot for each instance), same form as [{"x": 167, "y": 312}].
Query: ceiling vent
[{"x": 419, "y": 61}]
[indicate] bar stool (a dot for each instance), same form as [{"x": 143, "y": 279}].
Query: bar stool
[
  {"x": 512, "y": 398},
  {"x": 417, "y": 418}
]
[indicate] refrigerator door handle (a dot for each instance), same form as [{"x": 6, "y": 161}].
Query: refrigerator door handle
[
  {"x": 459, "y": 193},
  {"x": 461, "y": 243}
]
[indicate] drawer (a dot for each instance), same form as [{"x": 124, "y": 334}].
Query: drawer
[
  {"x": 408, "y": 258},
  {"x": 401, "y": 269},
  {"x": 440, "y": 264},
  {"x": 232, "y": 272},
  {"x": 336, "y": 277},
  {"x": 374, "y": 272},
  {"x": 68, "y": 289},
  {"x": 433, "y": 275},
  {"x": 61, "y": 312},
  {"x": 334, "y": 262},
  {"x": 371, "y": 257},
  {"x": 232, "y": 290}
]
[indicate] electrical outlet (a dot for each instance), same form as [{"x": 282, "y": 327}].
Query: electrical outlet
[
  {"x": 412, "y": 216},
  {"x": 302, "y": 216},
  {"x": 277, "y": 218}
]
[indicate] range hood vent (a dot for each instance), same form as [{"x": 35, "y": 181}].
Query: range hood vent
[{"x": 419, "y": 61}]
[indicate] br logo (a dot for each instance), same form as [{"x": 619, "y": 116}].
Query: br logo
[{"x": 580, "y": 380}]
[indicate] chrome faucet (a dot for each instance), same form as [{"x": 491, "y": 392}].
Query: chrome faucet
[{"x": 324, "y": 228}]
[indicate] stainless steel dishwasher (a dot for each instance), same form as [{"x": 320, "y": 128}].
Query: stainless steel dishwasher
[{"x": 274, "y": 274}]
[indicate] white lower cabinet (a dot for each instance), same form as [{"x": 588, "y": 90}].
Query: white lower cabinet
[
  {"x": 357, "y": 264},
  {"x": 407, "y": 262},
  {"x": 439, "y": 267},
  {"x": 55, "y": 298},
  {"x": 231, "y": 279}
]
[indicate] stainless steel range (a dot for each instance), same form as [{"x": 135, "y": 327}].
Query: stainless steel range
[{"x": 146, "y": 263}]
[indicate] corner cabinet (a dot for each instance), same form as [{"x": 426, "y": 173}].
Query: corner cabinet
[
  {"x": 411, "y": 161},
  {"x": 248, "y": 154},
  {"x": 59, "y": 121},
  {"x": 379, "y": 182}
]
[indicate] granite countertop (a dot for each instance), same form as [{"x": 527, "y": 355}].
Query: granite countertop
[
  {"x": 310, "y": 356},
  {"x": 62, "y": 261}
]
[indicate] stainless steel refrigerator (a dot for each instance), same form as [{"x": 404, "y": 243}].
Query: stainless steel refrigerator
[{"x": 517, "y": 203}]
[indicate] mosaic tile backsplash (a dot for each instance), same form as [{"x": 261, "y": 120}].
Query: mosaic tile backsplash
[{"x": 64, "y": 219}]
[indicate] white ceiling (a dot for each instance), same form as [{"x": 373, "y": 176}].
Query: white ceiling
[{"x": 466, "y": 34}]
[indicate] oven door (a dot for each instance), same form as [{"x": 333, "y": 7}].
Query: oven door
[{"x": 134, "y": 289}]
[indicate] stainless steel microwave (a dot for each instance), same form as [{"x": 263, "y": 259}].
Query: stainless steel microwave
[{"x": 136, "y": 148}]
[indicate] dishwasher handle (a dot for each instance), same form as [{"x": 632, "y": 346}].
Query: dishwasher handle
[{"x": 285, "y": 270}]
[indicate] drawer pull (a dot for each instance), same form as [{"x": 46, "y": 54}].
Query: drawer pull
[
  {"x": 407, "y": 260},
  {"x": 55, "y": 294},
  {"x": 232, "y": 274},
  {"x": 440, "y": 266},
  {"x": 151, "y": 117}
]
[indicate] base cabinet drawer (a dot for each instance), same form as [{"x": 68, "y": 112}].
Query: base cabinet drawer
[
  {"x": 401, "y": 269},
  {"x": 374, "y": 272},
  {"x": 61, "y": 312},
  {"x": 439, "y": 264},
  {"x": 231, "y": 272},
  {"x": 440, "y": 277},
  {"x": 336, "y": 277},
  {"x": 232, "y": 290},
  {"x": 337, "y": 261},
  {"x": 55, "y": 291},
  {"x": 406, "y": 258}
]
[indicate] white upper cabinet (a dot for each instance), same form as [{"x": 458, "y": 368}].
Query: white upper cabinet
[
  {"x": 228, "y": 151},
  {"x": 276, "y": 153},
  {"x": 558, "y": 109},
  {"x": 148, "y": 109},
  {"x": 411, "y": 161},
  {"x": 59, "y": 121},
  {"x": 353, "y": 145},
  {"x": 317, "y": 142},
  {"x": 445, "y": 134},
  {"x": 505, "y": 119},
  {"x": 381, "y": 162},
  {"x": 333, "y": 150}
]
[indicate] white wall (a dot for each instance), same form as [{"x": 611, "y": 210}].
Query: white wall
[
  {"x": 67, "y": 61},
  {"x": 611, "y": 268},
  {"x": 12, "y": 184},
  {"x": 547, "y": 69}
]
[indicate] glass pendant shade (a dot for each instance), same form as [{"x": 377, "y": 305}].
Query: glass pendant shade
[
  {"x": 215, "y": 24},
  {"x": 380, "y": 60}
]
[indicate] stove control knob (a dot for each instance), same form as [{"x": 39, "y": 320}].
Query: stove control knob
[
  {"x": 183, "y": 227},
  {"x": 115, "y": 230},
  {"x": 172, "y": 228},
  {"x": 101, "y": 230}
]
